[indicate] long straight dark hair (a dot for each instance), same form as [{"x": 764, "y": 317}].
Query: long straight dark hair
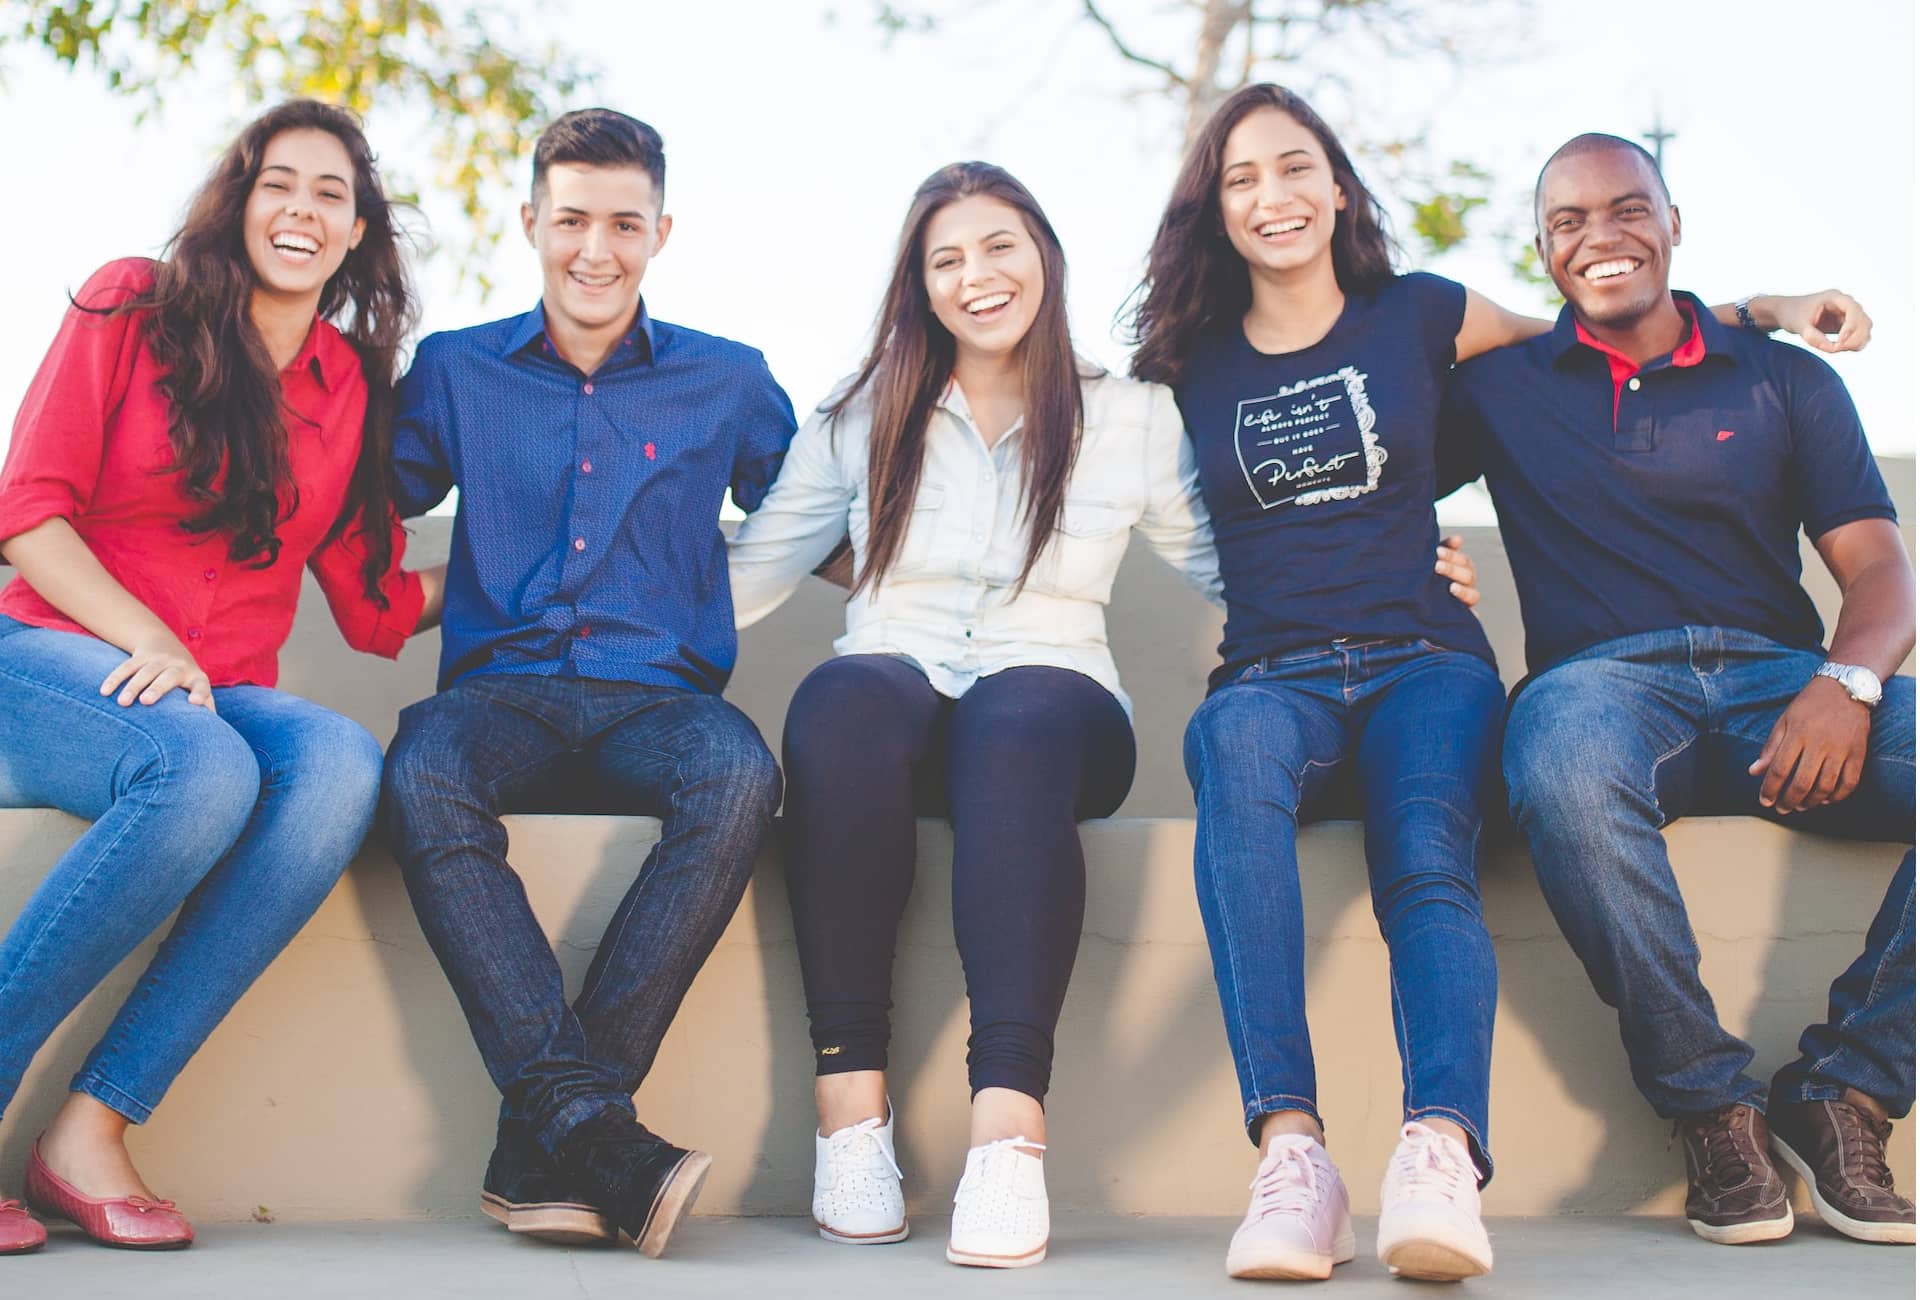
[
  {"x": 228, "y": 422},
  {"x": 911, "y": 363},
  {"x": 1195, "y": 277}
]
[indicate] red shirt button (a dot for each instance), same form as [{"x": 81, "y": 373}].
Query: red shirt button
[
  {"x": 193, "y": 634},
  {"x": 211, "y": 574},
  {"x": 588, "y": 390},
  {"x": 579, "y": 543},
  {"x": 585, "y": 630},
  {"x": 586, "y": 467}
]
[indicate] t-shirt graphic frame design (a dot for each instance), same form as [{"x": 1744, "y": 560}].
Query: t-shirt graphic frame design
[{"x": 1318, "y": 447}]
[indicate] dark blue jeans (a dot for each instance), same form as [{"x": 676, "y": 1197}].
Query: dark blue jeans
[
  {"x": 500, "y": 743},
  {"x": 1417, "y": 728},
  {"x": 1609, "y": 746}
]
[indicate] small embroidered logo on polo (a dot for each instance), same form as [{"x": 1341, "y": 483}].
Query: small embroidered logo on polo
[
  {"x": 649, "y": 449},
  {"x": 1723, "y": 435}
]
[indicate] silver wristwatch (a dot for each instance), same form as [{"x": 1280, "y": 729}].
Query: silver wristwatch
[{"x": 1863, "y": 684}]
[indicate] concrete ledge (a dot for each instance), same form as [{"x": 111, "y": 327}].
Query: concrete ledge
[{"x": 344, "y": 1086}]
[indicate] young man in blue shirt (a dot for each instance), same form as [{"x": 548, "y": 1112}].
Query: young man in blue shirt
[
  {"x": 1652, "y": 469},
  {"x": 588, "y": 633}
]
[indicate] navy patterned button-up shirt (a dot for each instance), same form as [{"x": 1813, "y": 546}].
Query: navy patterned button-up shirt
[{"x": 587, "y": 540}]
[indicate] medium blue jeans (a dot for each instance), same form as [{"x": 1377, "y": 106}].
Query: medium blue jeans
[
  {"x": 498, "y": 743},
  {"x": 242, "y": 821},
  {"x": 1607, "y": 747},
  {"x": 1418, "y": 728}
]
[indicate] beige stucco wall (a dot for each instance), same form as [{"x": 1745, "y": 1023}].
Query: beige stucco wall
[{"x": 345, "y": 1086}]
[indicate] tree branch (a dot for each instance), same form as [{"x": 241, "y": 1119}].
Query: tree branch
[{"x": 1126, "y": 51}]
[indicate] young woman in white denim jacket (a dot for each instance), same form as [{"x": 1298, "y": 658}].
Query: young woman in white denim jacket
[{"x": 974, "y": 679}]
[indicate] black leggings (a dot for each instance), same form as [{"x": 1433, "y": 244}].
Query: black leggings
[{"x": 1013, "y": 763}]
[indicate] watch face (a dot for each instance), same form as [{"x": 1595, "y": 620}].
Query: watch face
[{"x": 1862, "y": 685}]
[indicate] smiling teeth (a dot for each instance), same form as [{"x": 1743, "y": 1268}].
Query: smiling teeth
[
  {"x": 989, "y": 302},
  {"x": 1284, "y": 227},
  {"x": 1607, "y": 270},
  {"x": 597, "y": 281},
  {"x": 296, "y": 243}
]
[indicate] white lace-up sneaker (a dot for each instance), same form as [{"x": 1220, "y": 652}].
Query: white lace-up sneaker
[
  {"x": 856, "y": 1185},
  {"x": 1430, "y": 1210},
  {"x": 1297, "y": 1224},
  {"x": 1000, "y": 1208}
]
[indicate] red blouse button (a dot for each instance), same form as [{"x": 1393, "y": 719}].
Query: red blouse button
[
  {"x": 211, "y": 574},
  {"x": 193, "y": 634},
  {"x": 579, "y": 543},
  {"x": 586, "y": 467},
  {"x": 588, "y": 390},
  {"x": 586, "y": 630}
]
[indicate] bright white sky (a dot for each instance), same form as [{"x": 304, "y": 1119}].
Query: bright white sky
[{"x": 794, "y": 142}]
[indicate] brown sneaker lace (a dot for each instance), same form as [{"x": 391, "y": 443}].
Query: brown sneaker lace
[
  {"x": 1863, "y": 1145},
  {"x": 1725, "y": 1163}
]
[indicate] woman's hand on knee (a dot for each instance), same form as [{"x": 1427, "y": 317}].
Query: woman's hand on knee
[{"x": 155, "y": 666}]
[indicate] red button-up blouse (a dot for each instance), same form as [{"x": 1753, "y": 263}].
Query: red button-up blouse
[{"x": 91, "y": 446}]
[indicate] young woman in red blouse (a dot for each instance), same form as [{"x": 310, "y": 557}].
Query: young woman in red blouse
[{"x": 200, "y": 433}]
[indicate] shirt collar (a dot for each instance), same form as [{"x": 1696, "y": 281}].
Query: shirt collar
[
  {"x": 1707, "y": 338},
  {"x": 532, "y": 327},
  {"x": 325, "y": 355},
  {"x": 954, "y": 402}
]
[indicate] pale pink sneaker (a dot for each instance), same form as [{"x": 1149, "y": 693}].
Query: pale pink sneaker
[
  {"x": 1430, "y": 1225},
  {"x": 1297, "y": 1223}
]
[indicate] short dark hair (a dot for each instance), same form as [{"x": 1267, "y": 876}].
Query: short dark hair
[
  {"x": 1598, "y": 142},
  {"x": 600, "y": 137}
]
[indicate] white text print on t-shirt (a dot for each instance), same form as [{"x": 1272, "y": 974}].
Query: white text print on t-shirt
[{"x": 1311, "y": 441}]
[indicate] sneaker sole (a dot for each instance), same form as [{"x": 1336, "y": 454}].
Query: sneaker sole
[
  {"x": 676, "y": 1197},
  {"x": 565, "y": 1223},
  {"x": 883, "y": 1238},
  {"x": 1293, "y": 1266},
  {"x": 1858, "y": 1229},
  {"x": 969, "y": 1259},
  {"x": 1745, "y": 1234},
  {"x": 1430, "y": 1261}
]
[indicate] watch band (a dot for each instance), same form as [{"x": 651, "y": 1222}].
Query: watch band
[{"x": 1743, "y": 309}]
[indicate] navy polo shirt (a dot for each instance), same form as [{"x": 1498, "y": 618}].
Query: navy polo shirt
[
  {"x": 1639, "y": 500},
  {"x": 587, "y": 540},
  {"x": 1318, "y": 470}
]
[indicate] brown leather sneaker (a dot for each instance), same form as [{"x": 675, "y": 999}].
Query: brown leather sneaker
[
  {"x": 1839, "y": 1149},
  {"x": 1734, "y": 1197}
]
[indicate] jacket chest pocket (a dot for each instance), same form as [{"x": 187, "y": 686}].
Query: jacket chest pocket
[{"x": 1086, "y": 547}]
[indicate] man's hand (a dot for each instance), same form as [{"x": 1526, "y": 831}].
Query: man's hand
[
  {"x": 1816, "y": 750},
  {"x": 1456, "y": 565},
  {"x": 1815, "y": 316}
]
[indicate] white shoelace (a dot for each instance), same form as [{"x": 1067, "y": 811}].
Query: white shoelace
[
  {"x": 1290, "y": 1186},
  {"x": 844, "y": 1146},
  {"x": 987, "y": 1149},
  {"x": 1428, "y": 1163}
]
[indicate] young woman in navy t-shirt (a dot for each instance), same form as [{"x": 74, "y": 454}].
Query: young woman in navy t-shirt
[{"x": 1309, "y": 375}]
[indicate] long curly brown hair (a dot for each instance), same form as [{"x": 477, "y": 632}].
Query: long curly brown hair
[
  {"x": 228, "y": 421},
  {"x": 912, "y": 359},
  {"x": 1195, "y": 278}
]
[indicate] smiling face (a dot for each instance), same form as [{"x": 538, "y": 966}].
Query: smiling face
[
  {"x": 595, "y": 229},
  {"x": 984, "y": 275},
  {"x": 1606, "y": 234},
  {"x": 1278, "y": 197},
  {"x": 300, "y": 221}
]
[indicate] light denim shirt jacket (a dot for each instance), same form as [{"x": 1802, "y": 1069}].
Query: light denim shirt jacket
[{"x": 948, "y": 603}]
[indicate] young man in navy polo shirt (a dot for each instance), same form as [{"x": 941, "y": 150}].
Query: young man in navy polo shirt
[
  {"x": 1652, "y": 469},
  {"x": 587, "y": 635}
]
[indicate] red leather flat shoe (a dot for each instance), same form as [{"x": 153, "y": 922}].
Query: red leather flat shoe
[
  {"x": 20, "y": 1232},
  {"x": 131, "y": 1222}
]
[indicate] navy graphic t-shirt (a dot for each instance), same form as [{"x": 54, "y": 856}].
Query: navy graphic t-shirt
[{"x": 1318, "y": 469}]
